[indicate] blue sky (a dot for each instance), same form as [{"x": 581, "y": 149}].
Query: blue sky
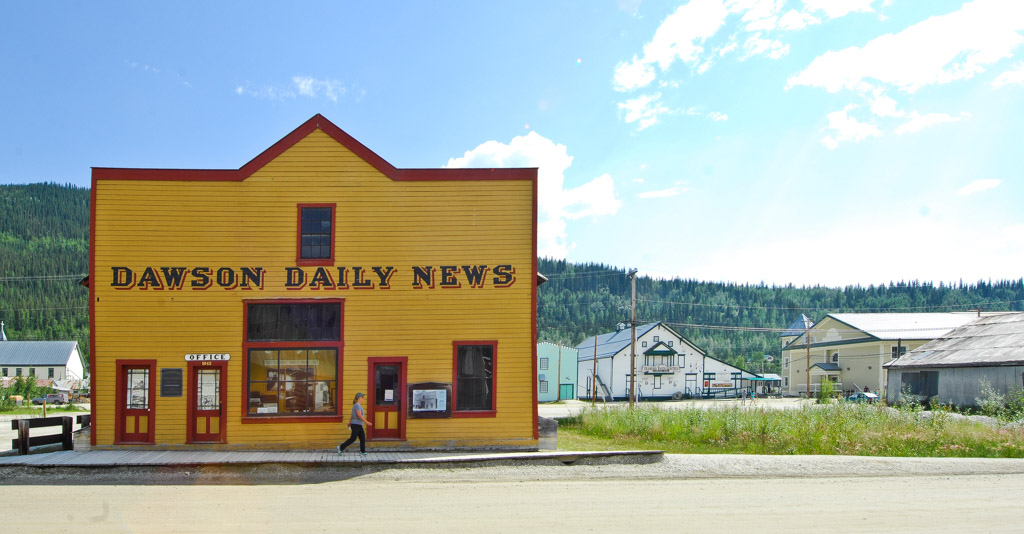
[{"x": 779, "y": 141}]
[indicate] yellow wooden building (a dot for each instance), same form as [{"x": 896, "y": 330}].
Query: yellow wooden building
[{"x": 245, "y": 308}]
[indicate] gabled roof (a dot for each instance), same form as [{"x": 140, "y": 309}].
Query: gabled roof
[
  {"x": 798, "y": 326},
  {"x": 314, "y": 123},
  {"x": 986, "y": 341},
  {"x": 893, "y": 326},
  {"x": 827, "y": 366},
  {"x": 612, "y": 343},
  {"x": 665, "y": 349},
  {"x": 36, "y": 353}
]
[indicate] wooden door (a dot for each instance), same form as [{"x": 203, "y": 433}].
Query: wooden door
[
  {"x": 206, "y": 402},
  {"x": 136, "y": 382},
  {"x": 387, "y": 398}
]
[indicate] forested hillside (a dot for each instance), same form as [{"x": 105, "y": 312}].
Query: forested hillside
[
  {"x": 44, "y": 252},
  {"x": 733, "y": 322}
]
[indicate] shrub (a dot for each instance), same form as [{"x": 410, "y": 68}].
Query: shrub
[{"x": 991, "y": 402}]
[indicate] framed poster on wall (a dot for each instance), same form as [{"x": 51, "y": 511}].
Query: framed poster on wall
[{"x": 430, "y": 400}]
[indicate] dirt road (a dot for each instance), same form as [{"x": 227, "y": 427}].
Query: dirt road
[{"x": 538, "y": 499}]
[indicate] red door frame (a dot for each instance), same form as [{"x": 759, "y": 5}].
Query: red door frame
[
  {"x": 120, "y": 401},
  {"x": 191, "y": 402},
  {"x": 371, "y": 391}
]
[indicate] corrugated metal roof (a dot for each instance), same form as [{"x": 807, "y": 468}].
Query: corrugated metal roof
[
  {"x": 988, "y": 341},
  {"x": 36, "y": 352},
  {"x": 798, "y": 327},
  {"x": 611, "y": 343},
  {"x": 893, "y": 326}
]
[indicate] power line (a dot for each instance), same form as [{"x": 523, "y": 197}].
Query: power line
[{"x": 45, "y": 277}]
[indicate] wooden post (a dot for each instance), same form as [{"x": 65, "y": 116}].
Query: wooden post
[
  {"x": 23, "y": 425},
  {"x": 67, "y": 428}
]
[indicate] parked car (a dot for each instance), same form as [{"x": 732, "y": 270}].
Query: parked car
[
  {"x": 51, "y": 398},
  {"x": 862, "y": 396}
]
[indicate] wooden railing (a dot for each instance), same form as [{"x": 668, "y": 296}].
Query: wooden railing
[{"x": 24, "y": 441}]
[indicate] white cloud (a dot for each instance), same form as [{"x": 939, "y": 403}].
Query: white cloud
[
  {"x": 795, "y": 20},
  {"x": 306, "y": 86},
  {"x": 680, "y": 37},
  {"x": 644, "y": 110},
  {"x": 884, "y": 106},
  {"x": 718, "y": 116},
  {"x": 847, "y": 128},
  {"x": 312, "y": 87},
  {"x": 772, "y": 48},
  {"x": 632, "y": 75},
  {"x": 1014, "y": 235},
  {"x": 939, "y": 50},
  {"x": 981, "y": 253},
  {"x": 1013, "y": 76},
  {"x": 978, "y": 186},
  {"x": 557, "y": 205},
  {"x": 838, "y": 8},
  {"x": 918, "y": 122},
  {"x": 663, "y": 193}
]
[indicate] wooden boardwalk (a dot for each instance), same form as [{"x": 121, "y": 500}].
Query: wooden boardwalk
[{"x": 120, "y": 458}]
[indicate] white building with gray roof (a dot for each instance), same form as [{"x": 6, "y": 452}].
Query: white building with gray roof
[
  {"x": 668, "y": 366},
  {"x": 50, "y": 362},
  {"x": 951, "y": 368}
]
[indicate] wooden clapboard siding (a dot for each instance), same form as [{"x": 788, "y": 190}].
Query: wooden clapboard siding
[{"x": 379, "y": 221}]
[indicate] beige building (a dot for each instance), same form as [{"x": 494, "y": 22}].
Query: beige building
[{"x": 850, "y": 349}]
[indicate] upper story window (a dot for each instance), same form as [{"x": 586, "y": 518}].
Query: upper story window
[
  {"x": 316, "y": 234},
  {"x": 474, "y": 378},
  {"x": 898, "y": 351},
  {"x": 49, "y": 373},
  {"x": 656, "y": 339},
  {"x": 670, "y": 342},
  {"x": 543, "y": 363}
]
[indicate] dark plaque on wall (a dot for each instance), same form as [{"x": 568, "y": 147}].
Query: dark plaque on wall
[
  {"x": 171, "y": 382},
  {"x": 430, "y": 400}
]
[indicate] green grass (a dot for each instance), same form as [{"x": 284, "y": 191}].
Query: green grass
[
  {"x": 844, "y": 429},
  {"x": 38, "y": 410}
]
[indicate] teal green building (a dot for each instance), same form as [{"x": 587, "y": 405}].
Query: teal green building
[{"x": 556, "y": 372}]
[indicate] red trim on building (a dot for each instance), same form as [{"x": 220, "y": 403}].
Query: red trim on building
[
  {"x": 299, "y": 260},
  {"x": 533, "y": 322},
  {"x": 246, "y": 345},
  {"x": 119, "y": 407},
  {"x": 190, "y": 400},
  {"x": 92, "y": 313},
  {"x": 401, "y": 394},
  {"x": 316, "y": 122},
  {"x": 493, "y": 412}
]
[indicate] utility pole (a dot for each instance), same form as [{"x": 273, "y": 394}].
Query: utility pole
[
  {"x": 807, "y": 344},
  {"x": 593, "y": 379},
  {"x": 632, "y": 345}
]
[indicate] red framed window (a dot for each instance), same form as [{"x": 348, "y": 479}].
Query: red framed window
[
  {"x": 316, "y": 231},
  {"x": 293, "y": 360},
  {"x": 474, "y": 368}
]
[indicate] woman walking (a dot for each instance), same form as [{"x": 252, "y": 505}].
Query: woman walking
[{"x": 356, "y": 424}]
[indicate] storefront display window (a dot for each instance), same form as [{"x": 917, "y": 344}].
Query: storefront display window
[
  {"x": 292, "y": 352},
  {"x": 474, "y": 377}
]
